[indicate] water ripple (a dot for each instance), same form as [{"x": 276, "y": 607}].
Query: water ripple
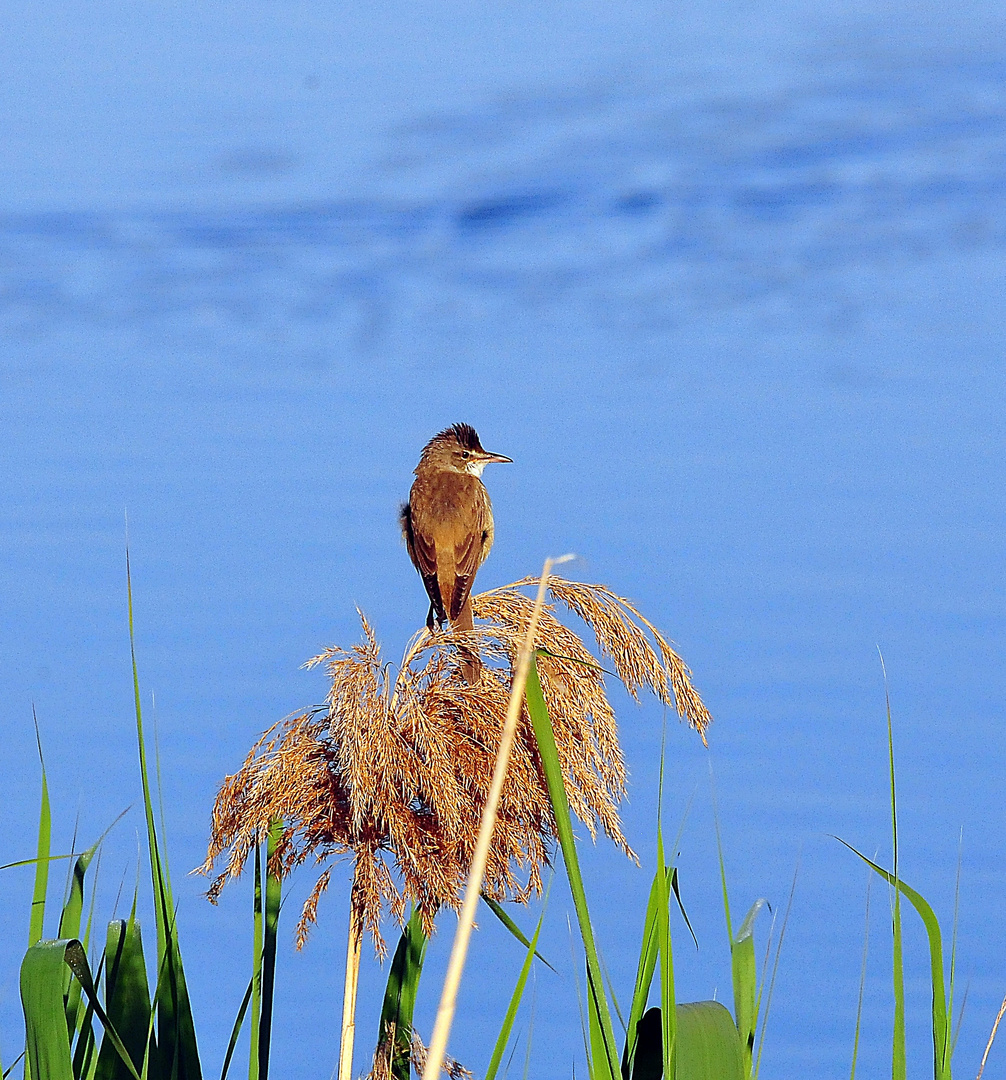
[{"x": 696, "y": 204}]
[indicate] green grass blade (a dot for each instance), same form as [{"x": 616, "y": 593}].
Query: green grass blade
[
  {"x": 166, "y": 867},
  {"x": 899, "y": 1061},
  {"x": 608, "y": 1067},
  {"x": 76, "y": 960},
  {"x": 668, "y": 1012},
  {"x": 256, "y": 978},
  {"x": 775, "y": 971},
  {"x": 515, "y": 998},
  {"x": 42, "y": 855},
  {"x": 744, "y": 972},
  {"x": 69, "y": 928},
  {"x": 11, "y": 1068},
  {"x": 236, "y": 1029},
  {"x": 676, "y": 890},
  {"x": 644, "y": 977},
  {"x": 83, "y": 1054},
  {"x": 579, "y": 997},
  {"x": 708, "y": 1047},
  {"x": 47, "y": 1042},
  {"x": 597, "y": 1047},
  {"x": 500, "y": 912},
  {"x": 941, "y": 1027},
  {"x": 273, "y": 899},
  {"x": 611, "y": 992},
  {"x": 85, "y": 1059},
  {"x": 176, "y": 1030},
  {"x": 400, "y": 997},
  {"x": 35, "y": 861},
  {"x": 960, "y": 1019},
  {"x": 707, "y": 1044},
  {"x": 953, "y": 949},
  {"x": 127, "y": 999},
  {"x": 530, "y": 1032},
  {"x": 862, "y": 980}
]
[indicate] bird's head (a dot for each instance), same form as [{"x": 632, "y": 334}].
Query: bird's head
[{"x": 457, "y": 449}]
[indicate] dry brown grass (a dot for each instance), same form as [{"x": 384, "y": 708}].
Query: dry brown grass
[
  {"x": 381, "y": 1069},
  {"x": 396, "y": 768}
]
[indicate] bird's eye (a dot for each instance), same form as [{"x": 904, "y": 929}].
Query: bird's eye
[{"x": 465, "y": 454}]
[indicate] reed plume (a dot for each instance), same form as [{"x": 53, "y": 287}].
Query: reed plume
[{"x": 394, "y": 770}]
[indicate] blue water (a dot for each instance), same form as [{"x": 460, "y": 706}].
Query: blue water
[{"x": 725, "y": 284}]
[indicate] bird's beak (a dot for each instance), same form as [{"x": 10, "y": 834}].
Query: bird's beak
[{"x": 487, "y": 457}]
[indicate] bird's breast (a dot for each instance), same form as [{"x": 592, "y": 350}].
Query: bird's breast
[{"x": 445, "y": 499}]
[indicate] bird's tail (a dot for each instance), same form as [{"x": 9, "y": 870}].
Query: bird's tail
[{"x": 471, "y": 664}]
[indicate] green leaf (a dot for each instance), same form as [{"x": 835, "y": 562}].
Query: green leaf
[
  {"x": 400, "y": 996},
  {"x": 744, "y": 971},
  {"x": 256, "y": 977},
  {"x": 42, "y": 857},
  {"x": 47, "y": 1039},
  {"x": 899, "y": 1061},
  {"x": 273, "y": 896},
  {"x": 707, "y": 1044},
  {"x": 676, "y": 889},
  {"x": 605, "y": 1067},
  {"x": 500, "y": 912},
  {"x": 127, "y": 1000},
  {"x": 941, "y": 1026},
  {"x": 644, "y": 977},
  {"x": 708, "y": 1047},
  {"x": 668, "y": 1012},
  {"x": 76, "y": 960},
  {"x": 598, "y": 1051},
  {"x": 69, "y": 927},
  {"x": 515, "y": 998},
  {"x": 862, "y": 980},
  {"x": 236, "y": 1029}
]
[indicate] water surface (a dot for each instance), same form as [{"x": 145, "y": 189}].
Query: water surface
[{"x": 741, "y": 335}]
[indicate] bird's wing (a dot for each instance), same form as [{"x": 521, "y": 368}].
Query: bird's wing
[
  {"x": 468, "y": 557},
  {"x": 426, "y": 563},
  {"x": 424, "y": 558}
]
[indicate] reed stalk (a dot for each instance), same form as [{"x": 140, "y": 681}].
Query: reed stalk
[
  {"x": 349, "y": 995},
  {"x": 459, "y": 950},
  {"x": 992, "y": 1038}
]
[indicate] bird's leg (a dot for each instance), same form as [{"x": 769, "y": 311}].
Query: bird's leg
[{"x": 429, "y": 620}]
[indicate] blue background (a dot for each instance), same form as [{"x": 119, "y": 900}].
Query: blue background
[{"x": 725, "y": 279}]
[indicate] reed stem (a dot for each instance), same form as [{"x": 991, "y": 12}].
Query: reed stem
[
  {"x": 459, "y": 950},
  {"x": 992, "y": 1038},
  {"x": 349, "y": 996}
]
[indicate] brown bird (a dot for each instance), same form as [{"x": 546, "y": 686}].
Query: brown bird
[{"x": 448, "y": 523}]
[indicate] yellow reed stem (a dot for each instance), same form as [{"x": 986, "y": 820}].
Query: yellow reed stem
[
  {"x": 992, "y": 1038},
  {"x": 459, "y": 950},
  {"x": 349, "y": 997}
]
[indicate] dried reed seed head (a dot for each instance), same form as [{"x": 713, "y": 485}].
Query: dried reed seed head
[
  {"x": 418, "y": 1053},
  {"x": 396, "y": 768}
]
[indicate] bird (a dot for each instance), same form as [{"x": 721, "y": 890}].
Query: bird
[{"x": 448, "y": 525}]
